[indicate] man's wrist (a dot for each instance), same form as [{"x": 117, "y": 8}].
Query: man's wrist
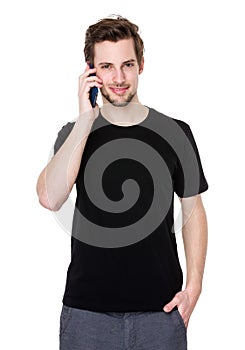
[{"x": 193, "y": 290}]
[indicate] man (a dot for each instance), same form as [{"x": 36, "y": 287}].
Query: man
[{"x": 124, "y": 282}]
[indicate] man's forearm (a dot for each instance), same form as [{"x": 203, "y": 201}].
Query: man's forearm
[
  {"x": 56, "y": 180},
  {"x": 195, "y": 236}
]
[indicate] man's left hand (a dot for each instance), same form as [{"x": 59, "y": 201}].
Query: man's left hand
[{"x": 185, "y": 302}]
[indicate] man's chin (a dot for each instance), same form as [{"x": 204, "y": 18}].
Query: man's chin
[{"x": 120, "y": 102}]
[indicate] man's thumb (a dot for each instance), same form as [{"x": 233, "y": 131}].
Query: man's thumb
[{"x": 168, "y": 307}]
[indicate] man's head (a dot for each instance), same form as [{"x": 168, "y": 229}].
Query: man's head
[
  {"x": 116, "y": 50},
  {"x": 112, "y": 29}
]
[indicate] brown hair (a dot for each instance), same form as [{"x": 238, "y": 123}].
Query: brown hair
[{"x": 112, "y": 29}]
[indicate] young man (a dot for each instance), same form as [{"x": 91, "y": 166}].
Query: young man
[{"x": 124, "y": 282}]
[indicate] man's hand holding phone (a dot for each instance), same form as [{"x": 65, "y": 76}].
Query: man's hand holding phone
[{"x": 86, "y": 82}]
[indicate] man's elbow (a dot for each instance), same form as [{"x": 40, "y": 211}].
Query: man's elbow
[{"x": 45, "y": 201}]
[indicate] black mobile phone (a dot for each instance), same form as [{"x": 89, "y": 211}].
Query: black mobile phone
[{"x": 93, "y": 93}]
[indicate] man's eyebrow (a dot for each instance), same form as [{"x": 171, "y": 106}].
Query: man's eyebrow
[
  {"x": 102, "y": 63},
  {"x": 128, "y": 61}
]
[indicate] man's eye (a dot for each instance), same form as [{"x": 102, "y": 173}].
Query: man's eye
[
  {"x": 105, "y": 66},
  {"x": 129, "y": 65}
]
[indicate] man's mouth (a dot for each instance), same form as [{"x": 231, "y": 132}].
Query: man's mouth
[{"x": 119, "y": 90}]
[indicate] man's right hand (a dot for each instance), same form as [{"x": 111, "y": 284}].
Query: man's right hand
[{"x": 86, "y": 82}]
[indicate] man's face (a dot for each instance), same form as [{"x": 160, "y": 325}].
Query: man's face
[{"x": 117, "y": 66}]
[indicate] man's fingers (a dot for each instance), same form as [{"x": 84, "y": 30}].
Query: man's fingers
[
  {"x": 88, "y": 79},
  {"x": 87, "y": 72},
  {"x": 94, "y": 78},
  {"x": 168, "y": 307}
]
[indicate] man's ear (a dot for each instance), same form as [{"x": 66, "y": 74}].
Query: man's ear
[{"x": 142, "y": 65}]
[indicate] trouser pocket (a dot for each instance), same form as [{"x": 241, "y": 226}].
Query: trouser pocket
[
  {"x": 181, "y": 321},
  {"x": 64, "y": 318}
]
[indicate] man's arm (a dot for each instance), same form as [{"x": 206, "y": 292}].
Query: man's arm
[
  {"x": 195, "y": 233},
  {"x": 57, "y": 179}
]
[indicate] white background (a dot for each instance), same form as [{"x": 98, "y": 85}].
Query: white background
[{"x": 194, "y": 71}]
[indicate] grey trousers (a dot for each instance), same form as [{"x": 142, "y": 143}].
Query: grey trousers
[{"x": 150, "y": 330}]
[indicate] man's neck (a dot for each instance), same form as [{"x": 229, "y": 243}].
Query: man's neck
[{"x": 130, "y": 114}]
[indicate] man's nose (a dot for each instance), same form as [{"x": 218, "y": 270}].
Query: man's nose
[{"x": 118, "y": 76}]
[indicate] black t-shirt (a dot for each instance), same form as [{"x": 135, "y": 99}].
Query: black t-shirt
[{"x": 123, "y": 247}]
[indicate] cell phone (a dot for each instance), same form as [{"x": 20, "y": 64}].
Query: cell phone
[{"x": 93, "y": 93}]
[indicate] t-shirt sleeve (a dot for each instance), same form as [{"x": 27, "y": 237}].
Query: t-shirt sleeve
[
  {"x": 62, "y": 136},
  {"x": 189, "y": 178}
]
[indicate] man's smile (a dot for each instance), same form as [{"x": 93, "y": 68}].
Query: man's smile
[{"x": 119, "y": 90}]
